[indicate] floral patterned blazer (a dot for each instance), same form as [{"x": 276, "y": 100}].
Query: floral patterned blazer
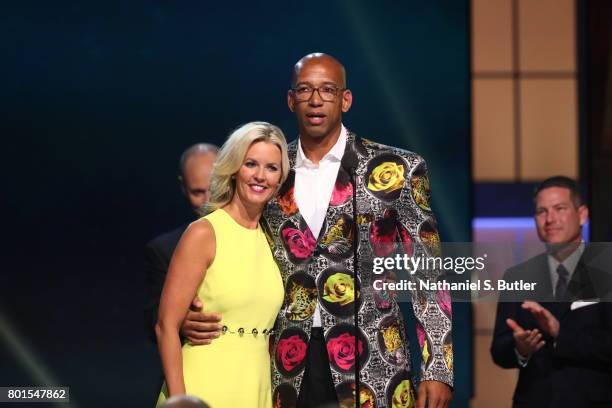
[{"x": 393, "y": 217}]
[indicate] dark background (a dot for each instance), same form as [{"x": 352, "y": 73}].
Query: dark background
[{"x": 98, "y": 100}]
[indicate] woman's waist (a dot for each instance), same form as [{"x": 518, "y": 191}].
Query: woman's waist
[
  {"x": 257, "y": 329},
  {"x": 232, "y": 342},
  {"x": 237, "y": 312}
]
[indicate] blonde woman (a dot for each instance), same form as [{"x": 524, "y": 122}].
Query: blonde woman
[{"x": 224, "y": 258}]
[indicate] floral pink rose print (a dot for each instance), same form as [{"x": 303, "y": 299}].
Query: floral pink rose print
[
  {"x": 341, "y": 350},
  {"x": 341, "y": 193},
  {"x": 291, "y": 352},
  {"x": 301, "y": 244}
]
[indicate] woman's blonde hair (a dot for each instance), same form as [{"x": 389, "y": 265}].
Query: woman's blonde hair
[{"x": 231, "y": 157}]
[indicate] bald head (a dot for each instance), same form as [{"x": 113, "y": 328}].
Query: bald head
[
  {"x": 184, "y": 401},
  {"x": 318, "y": 58},
  {"x": 196, "y": 166},
  {"x": 197, "y": 149}
]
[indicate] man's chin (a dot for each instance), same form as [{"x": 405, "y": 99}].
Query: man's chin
[
  {"x": 553, "y": 247},
  {"x": 315, "y": 132},
  {"x": 319, "y": 131}
]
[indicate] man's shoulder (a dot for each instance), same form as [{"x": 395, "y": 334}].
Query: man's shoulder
[
  {"x": 292, "y": 145},
  {"x": 167, "y": 241},
  {"x": 532, "y": 265},
  {"x": 370, "y": 147}
]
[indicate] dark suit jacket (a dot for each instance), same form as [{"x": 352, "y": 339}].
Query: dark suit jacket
[
  {"x": 158, "y": 253},
  {"x": 576, "y": 369}
]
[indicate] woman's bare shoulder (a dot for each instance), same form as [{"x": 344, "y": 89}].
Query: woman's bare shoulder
[
  {"x": 199, "y": 239},
  {"x": 201, "y": 229}
]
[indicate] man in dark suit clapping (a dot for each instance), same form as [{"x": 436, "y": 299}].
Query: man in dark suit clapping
[{"x": 561, "y": 343}]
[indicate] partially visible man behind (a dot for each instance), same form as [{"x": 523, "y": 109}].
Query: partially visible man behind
[
  {"x": 195, "y": 168},
  {"x": 562, "y": 345}
]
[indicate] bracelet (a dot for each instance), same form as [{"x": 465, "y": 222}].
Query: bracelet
[{"x": 241, "y": 331}]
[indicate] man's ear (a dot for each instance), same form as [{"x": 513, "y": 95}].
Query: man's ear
[
  {"x": 347, "y": 100},
  {"x": 583, "y": 214},
  {"x": 290, "y": 101}
]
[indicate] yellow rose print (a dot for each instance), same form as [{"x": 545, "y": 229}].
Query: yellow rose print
[
  {"x": 392, "y": 338},
  {"x": 432, "y": 240},
  {"x": 425, "y": 352},
  {"x": 420, "y": 191},
  {"x": 366, "y": 399},
  {"x": 339, "y": 288},
  {"x": 387, "y": 177},
  {"x": 402, "y": 396}
]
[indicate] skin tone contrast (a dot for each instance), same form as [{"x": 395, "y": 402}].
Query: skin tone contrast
[{"x": 256, "y": 181}]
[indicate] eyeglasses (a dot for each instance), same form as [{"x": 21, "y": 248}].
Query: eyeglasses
[{"x": 326, "y": 92}]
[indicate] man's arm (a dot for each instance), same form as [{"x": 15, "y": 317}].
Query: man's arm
[
  {"x": 199, "y": 326},
  {"x": 512, "y": 344},
  {"x": 503, "y": 346},
  {"x": 593, "y": 346},
  {"x": 435, "y": 388}
]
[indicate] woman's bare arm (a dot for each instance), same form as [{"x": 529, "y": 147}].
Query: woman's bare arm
[{"x": 193, "y": 255}]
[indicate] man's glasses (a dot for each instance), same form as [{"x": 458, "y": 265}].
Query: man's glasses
[{"x": 327, "y": 93}]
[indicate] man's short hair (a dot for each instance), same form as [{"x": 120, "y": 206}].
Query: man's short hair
[
  {"x": 199, "y": 148},
  {"x": 563, "y": 182}
]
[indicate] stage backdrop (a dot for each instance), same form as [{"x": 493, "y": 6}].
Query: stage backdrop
[{"x": 98, "y": 99}]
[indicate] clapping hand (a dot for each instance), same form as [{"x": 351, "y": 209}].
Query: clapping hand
[
  {"x": 546, "y": 320},
  {"x": 526, "y": 342}
]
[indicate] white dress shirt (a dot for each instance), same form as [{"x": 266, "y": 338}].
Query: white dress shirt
[
  {"x": 569, "y": 263},
  {"x": 313, "y": 188}
]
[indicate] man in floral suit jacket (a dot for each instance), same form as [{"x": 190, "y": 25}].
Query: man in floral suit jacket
[
  {"x": 310, "y": 229},
  {"x": 310, "y": 226}
]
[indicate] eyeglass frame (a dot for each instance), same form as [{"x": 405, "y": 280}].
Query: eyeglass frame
[{"x": 338, "y": 91}]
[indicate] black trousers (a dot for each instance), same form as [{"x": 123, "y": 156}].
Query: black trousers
[{"x": 317, "y": 389}]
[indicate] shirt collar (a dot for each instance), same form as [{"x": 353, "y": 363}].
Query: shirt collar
[
  {"x": 333, "y": 155},
  {"x": 570, "y": 262}
]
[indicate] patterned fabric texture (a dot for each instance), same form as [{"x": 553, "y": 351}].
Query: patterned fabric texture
[{"x": 394, "y": 217}]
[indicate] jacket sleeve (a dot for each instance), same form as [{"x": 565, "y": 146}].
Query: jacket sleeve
[
  {"x": 502, "y": 346},
  {"x": 432, "y": 308}
]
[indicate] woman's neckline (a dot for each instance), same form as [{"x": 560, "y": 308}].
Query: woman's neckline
[{"x": 237, "y": 223}]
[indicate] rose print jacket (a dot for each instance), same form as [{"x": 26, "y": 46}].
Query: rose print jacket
[{"x": 393, "y": 217}]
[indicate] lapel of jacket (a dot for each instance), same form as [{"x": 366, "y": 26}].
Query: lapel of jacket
[
  {"x": 286, "y": 198},
  {"x": 283, "y": 207},
  {"x": 581, "y": 286},
  {"x": 544, "y": 290},
  {"x": 341, "y": 178}
]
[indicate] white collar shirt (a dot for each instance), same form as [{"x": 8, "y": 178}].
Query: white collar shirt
[
  {"x": 314, "y": 184},
  {"x": 569, "y": 263}
]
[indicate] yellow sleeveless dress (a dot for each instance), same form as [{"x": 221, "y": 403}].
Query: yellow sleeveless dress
[{"x": 244, "y": 285}]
